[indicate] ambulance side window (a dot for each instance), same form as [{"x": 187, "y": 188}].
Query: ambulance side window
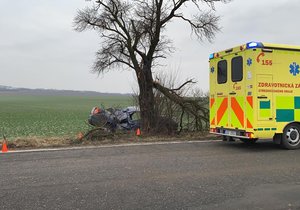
[
  {"x": 237, "y": 69},
  {"x": 222, "y": 72}
]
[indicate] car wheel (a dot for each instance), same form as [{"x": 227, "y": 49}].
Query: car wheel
[{"x": 291, "y": 136}]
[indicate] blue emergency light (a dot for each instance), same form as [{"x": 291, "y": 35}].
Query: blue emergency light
[
  {"x": 211, "y": 56},
  {"x": 252, "y": 45}
]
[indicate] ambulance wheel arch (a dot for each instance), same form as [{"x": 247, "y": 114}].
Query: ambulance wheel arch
[{"x": 291, "y": 136}]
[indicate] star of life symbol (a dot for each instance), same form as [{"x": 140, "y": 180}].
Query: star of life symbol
[
  {"x": 212, "y": 70},
  {"x": 294, "y": 69},
  {"x": 249, "y": 62}
]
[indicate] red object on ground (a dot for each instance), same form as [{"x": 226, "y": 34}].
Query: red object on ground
[
  {"x": 4, "y": 146},
  {"x": 80, "y": 135},
  {"x": 138, "y": 132}
]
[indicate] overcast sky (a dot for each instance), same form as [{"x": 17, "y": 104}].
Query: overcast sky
[{"x": 40, "y": 49}]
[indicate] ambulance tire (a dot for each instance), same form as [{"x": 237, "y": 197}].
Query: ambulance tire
[
  {"x": 291, "y": 136},
  {"x": 249, "y": 141},
  {"x": 227, "y": 138}
]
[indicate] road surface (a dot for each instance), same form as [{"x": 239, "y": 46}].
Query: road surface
[{"x": 198, "y": 175}]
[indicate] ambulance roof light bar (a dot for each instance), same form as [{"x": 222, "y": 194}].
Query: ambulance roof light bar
[{"x": 252, "y": 45}]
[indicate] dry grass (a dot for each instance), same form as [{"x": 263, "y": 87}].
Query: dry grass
[
  {"x": 35, "y": 142},
  {"x": 38, "y": 142}
]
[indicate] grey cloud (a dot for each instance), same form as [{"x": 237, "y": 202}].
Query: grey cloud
[{"x": 39, "y": 45}]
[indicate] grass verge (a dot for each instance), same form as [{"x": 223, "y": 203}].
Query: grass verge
[{"x": 56, "y": 142}]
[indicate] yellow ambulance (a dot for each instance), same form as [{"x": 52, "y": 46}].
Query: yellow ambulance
[{"x": 255, "y": 93}]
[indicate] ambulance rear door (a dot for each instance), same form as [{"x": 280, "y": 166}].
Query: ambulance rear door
[
  {"x": 221, "y": 93},
  {"x": 237, "y": 91}
]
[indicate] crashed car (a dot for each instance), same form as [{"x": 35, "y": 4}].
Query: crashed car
[{"x": 115, "y": 119}]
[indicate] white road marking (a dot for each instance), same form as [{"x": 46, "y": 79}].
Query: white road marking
[{"x": 110, "y": 146}]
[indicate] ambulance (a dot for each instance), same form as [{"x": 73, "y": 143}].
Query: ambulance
[{"x": 255, "y": 93}]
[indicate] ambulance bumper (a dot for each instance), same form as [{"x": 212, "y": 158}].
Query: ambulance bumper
[{"x": 237, "y": 133}]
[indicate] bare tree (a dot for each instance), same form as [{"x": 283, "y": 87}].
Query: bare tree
[
  {"x": 132, "y": 36},
  {"x": 184, "y": 104},
  {"x": 195, "y": 107}
]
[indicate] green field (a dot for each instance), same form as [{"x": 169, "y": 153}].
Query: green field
[{"x": 51, "y": 116}]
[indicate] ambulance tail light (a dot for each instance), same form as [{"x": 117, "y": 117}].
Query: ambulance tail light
[
  {"x": 213, "y": 130},
  {"x": 250, "y": 135},
  {"x": 252, "y": 45}
]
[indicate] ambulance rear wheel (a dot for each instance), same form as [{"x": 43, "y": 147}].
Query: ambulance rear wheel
[
  {"x": 227, "y": 138},
  {"x": 249, "y": 141},
  {"x": 291, "y": 136}
]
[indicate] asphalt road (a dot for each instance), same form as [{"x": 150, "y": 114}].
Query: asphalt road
[{"x": 211, "y": 175}]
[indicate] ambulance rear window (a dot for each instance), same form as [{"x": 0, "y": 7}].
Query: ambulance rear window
[
  {"x": 222, "y": 72},
  {"x": 237, "y": 69}
]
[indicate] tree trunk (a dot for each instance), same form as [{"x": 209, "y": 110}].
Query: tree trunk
[{"x": 146, "y": 97}]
